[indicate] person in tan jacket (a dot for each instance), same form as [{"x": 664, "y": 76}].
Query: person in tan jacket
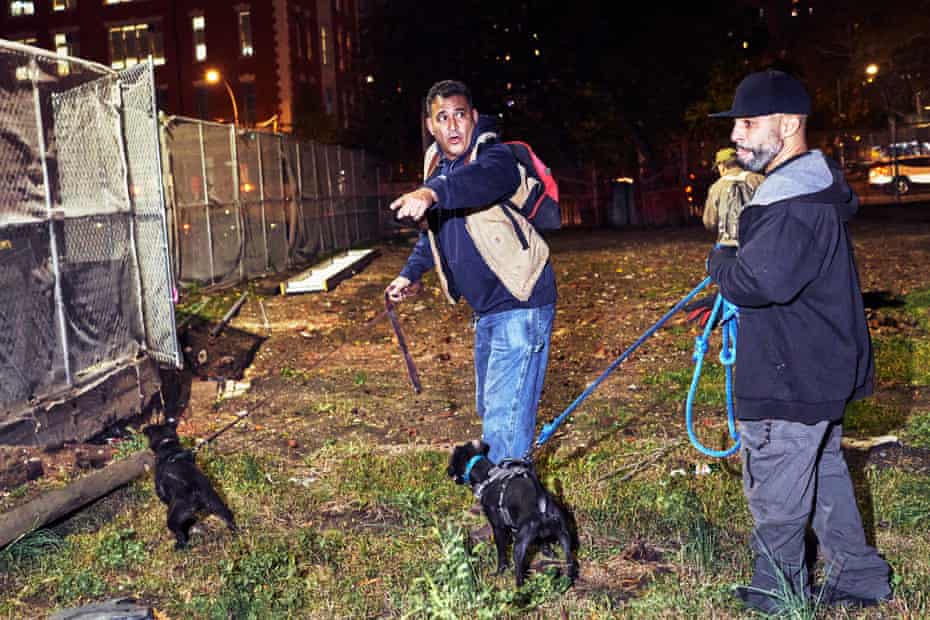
[
  {"x": 728, "y": 195},
  {"x": 482, "y": 249}
]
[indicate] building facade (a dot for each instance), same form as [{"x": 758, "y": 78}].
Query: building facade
[{"x": 273, "y": 62}]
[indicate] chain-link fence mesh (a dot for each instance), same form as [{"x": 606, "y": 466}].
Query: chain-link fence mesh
[
  {"x": 84, "y": 266},
  {"x": 271, "y": 202}
]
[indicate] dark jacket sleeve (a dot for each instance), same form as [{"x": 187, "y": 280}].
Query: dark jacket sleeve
[
  {"x": 420, "y": 260},
  {"x": 492, "y": 176},
  {"x": 781, "y": 258}
]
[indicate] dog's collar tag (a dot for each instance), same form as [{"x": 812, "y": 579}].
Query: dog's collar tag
[{"x": 471, "y": 464}]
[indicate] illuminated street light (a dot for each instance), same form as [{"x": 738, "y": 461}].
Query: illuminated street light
[
  {"x": 213, "y": 77},
  {"x": 871, "y": 69}
]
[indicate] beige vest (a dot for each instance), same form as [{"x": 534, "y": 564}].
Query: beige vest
[{"x": 495, "y": 237}]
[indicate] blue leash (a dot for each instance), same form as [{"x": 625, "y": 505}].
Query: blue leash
[
  {"x": 550, "y": 428},
  {"x": 728, "y": 326}
]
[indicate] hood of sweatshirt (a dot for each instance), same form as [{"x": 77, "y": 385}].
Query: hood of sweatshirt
[{"x": 811, "y": 176}]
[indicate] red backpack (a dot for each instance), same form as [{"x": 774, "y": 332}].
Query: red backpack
[{"x": 541, "y": 205}]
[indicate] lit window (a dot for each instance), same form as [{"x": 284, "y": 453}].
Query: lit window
[
  {"x": 22, "y": 7},
  {"x": 324, "y": 58},
  {"x": 63, "y": 5},
  {"x": 22, "y": 71},
  {"x": 117, "y": 1},
  {"x": 245, "y": 33},
  {"x": 134, "y": 43},
  {"x": 199, "y": 25},
  {"x": 66, "y": 44},
  {"x": 342, "y": 64}
]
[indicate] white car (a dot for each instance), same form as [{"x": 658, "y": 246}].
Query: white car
[{"x": 912, "y": 169}]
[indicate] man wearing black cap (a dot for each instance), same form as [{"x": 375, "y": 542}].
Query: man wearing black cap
[{"x": 804, "y": 352}]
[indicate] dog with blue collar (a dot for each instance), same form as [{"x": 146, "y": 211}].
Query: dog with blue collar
[{"x": 519, "y": 509}]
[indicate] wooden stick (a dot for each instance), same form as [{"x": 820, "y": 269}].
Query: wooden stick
[
  {"x": 53, "y": 505},
  {"x": 635, "y": 468}
]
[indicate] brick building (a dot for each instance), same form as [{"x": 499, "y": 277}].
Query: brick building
[{"x": 281, "y": 58}]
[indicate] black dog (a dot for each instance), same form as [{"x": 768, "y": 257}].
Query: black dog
[
  {"x": 515, "y": 504},
  {"x": 182, "y": 486}
]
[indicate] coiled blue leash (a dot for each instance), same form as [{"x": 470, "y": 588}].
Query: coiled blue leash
[
  {"x": 728, "y": 327},
  {"x": 550, "y": 428}
]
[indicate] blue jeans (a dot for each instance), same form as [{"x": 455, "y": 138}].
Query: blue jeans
[{"x": 511, "y": 354}]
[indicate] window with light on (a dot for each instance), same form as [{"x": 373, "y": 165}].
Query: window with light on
[
  {"x": 245, "y": 33},
  {"x": 199, "y": 24},
  {"x": 131, "y": 44},
  {"x": 22, "y": 7}
]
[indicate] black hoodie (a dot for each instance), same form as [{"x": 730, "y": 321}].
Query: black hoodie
[{"x": 803, "y": 347}]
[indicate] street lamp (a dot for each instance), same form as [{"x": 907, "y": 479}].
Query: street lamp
[{"x": 213, "y": 77}]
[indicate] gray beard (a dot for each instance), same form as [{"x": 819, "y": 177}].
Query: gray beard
[{"x": 763, "y": 155}]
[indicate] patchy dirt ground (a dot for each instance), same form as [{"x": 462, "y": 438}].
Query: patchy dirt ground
[
  {"x": 331, "y": 370},
  {"x": 325, "y": 367}
]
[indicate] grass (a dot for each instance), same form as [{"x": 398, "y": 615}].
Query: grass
[{"x": 381, "y": 533}]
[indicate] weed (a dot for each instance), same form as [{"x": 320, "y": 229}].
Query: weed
[
  {"x": 872, "y": 417},
  {"x": 130, "y": 445},
  {"x": 297, "y": 374},
  {"x": 414, "y": 504},
  {"x": 701, "y": 547},
  {"x": 360, "y": 379},
  {"x": 120, "y": 549},
  {"x": 263, "y": 582},
  {"x": 911, "y": 506},
  {"x": 918, "y": 430},
  {"x": 454, "y": 589},
  {"x": 82, "y": 584},
  {"x": 29, "y": 548}
]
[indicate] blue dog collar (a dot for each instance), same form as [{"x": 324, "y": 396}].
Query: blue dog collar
[{"x": 470, "y": 466}]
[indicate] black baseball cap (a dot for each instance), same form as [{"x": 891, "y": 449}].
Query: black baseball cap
[{"x": 768, "y": 92}]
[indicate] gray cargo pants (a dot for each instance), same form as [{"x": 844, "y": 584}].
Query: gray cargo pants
[{"x": 794, "y": 475}]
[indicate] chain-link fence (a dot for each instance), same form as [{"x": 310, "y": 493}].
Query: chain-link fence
[
  {"x": 84, "y": 267},
  {"x": 246, "y": 203}
]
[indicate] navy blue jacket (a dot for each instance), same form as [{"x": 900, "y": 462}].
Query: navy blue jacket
[
  {"x": 803, "y": 347},
  {"x": 491, "y": 177}
]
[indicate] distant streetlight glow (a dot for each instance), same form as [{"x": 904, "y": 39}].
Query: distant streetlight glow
[
  {"x": 871, "y": 69},
  {"x": 370, "y": 79},
  {"x": 212, "y": 76}
]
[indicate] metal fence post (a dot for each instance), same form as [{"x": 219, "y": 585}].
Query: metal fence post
[
  {"x": 356, "y": 196},
  {"x": 332, "y": 200},
  {"x": 261, "y": 199},
  {"x": 237, "y": 197},
  {"x": 53, "y": 239},
  {"x": 206, "y": 200},
  {"x": 124, "y": 159},
  {"x": 316, "y": 195}
]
